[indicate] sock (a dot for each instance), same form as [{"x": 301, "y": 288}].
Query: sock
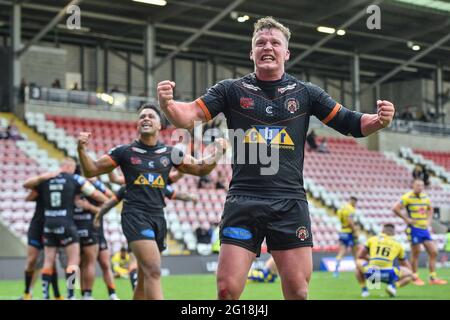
[
  {"x": 111, "y": 289},
  {"x": 28, "y": 278},
  {"x": 338, "y": 263},
  {"x": 55, "y": 286},
  {"x": 70, "y": 277},
  {"x": 46, "y": 280},
  {"x": 433, "y": 275},
  {"x": 133, "y": 278},
  {"x": 416, "y": 276},
  {"x": 86, "y": 293}
]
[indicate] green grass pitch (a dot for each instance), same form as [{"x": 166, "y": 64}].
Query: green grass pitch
[{"x": 203, "y": 287}]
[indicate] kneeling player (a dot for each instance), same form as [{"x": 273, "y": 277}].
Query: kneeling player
[{"x": 376, "y": 262}]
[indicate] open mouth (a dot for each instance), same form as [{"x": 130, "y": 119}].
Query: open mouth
[
  {"x": 146, "y": 126},
  {"x": 267, "y": 57}
]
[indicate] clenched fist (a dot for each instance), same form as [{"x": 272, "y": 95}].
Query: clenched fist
[
  {"x": 83, "y": 139},
  {"x": 165, "y": 93},
  {"x": 385, "y": 112}
]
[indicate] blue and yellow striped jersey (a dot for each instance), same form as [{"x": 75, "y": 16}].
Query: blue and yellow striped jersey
[
  {"x": 345, "y": 212},
  {"x": 383, "y": 250},
  {"x": 417, "y": 207}
]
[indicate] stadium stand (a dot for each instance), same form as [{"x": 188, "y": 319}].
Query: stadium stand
[
  {"x": 331, "y": 177},
  {"x": 182, "y": 218},
  {"x": 377, "y": 181}
]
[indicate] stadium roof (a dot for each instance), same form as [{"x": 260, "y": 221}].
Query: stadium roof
[{"x": 120, "y": 25}]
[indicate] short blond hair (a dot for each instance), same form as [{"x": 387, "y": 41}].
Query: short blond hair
[{"x": 270, "y": 23}]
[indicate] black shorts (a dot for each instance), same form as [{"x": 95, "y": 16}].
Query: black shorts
[
  {"x": 88, "y": 236},
  {"x": 145, "y": 226},
  {"x": 102, "y": 243},
  {"x": 285, "y": 223},
  {"x": 35, "y": 235},
  {"x": 60, "y": 236}
]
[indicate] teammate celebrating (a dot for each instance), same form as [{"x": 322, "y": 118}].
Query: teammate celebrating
[
  {"x": 35, "y": 256},
  {"x": 376, "y": 262},
  {"x": 347, "y": 236},
  {"x": 273, "y": 108},
  {"x": 89, "y": 240},
  {"x": 146, "y": 164},
  {"x": 58, "y": 196},
  {"x": 418, "y": 220}
]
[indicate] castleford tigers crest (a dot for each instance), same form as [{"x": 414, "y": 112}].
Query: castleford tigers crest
[
  {"x": 302, "y": 233},
  {"x": 292, "y": 105}
]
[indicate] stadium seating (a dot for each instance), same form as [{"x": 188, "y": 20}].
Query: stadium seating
[
  {"x": 377, "y": 181},
  {"x": 348, "y": 169},
  {"x": 439, "y": 157}
]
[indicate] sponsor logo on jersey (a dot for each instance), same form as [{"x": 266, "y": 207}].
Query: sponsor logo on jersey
[
  {"x": 292, "y": 105},
  {"x": 246, "y": 103},
  {"x": 288, "y": 87},
  {"x": 302, "y": 233},
  {"x": 250, "y": 86},
  {"x": 139, "y": 150},
  {"x": 159, "y": 151},
  {"x": 164, "y": 161},
  {"x": 151, "y": 164},
  {"x": 237, "y": 233},
  {"x": 271, "y": 135},
  {"x": 135, "y": 160},
  {"x": 154, "y": 180},
  {"x": 269, "y": 110}
]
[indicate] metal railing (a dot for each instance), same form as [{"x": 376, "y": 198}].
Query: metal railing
[
  {"x": 415, "y": 127},
  {"x": 85, "y": 99}
]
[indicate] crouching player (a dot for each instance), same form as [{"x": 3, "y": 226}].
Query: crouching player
[{"x": 376, "y": 262}]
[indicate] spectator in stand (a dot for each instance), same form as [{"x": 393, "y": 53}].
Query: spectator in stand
[
  {"x": 12, "y": 132},
  {"x": 407, "y": 114},
  {"x": 75, "y": 86},
  {"x": 420, "y": 172},
  {"x": 56, "y": 84},
  {"x": 311, "y": 140},
  {"x": 203, "y": 233},
  {"x": 115, "y": 89},
  {"x": 323, "y": 147},
  {"x": 221, "y": 182},
  {"x": 417, "y": 172}
]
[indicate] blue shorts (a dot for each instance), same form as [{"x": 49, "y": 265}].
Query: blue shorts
[
  {"x": 347, "y": 239},
  {"x": 388, "y": 275},
  {"x": 417, "y": 235}
]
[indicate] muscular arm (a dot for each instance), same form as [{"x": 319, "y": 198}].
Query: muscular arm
[
  {"x": 175, "y": 175},
  {"x": 183, "y": 114},
  {"x": 115, "y": 178},
  {"x": 86, "y": 205},
  {"x": 89, "y": 191},
  {"x": 202, "y": 167},
  {"x": 371, "y": 123},
  {"x": 104, "y": 209},
  {"x": 398, "y": 211},
  {"x": 363, "y": 253},
  {"x": 33, "y": 182},
  {"x": 185, "y": 197},
  {"x": 430, "y": 215},
  {"x": 32, "y": 196},
  {"x": 351, "y": 224},
  {"x": 180, "y": 114},
  {"x": 90, "y": 167}
]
